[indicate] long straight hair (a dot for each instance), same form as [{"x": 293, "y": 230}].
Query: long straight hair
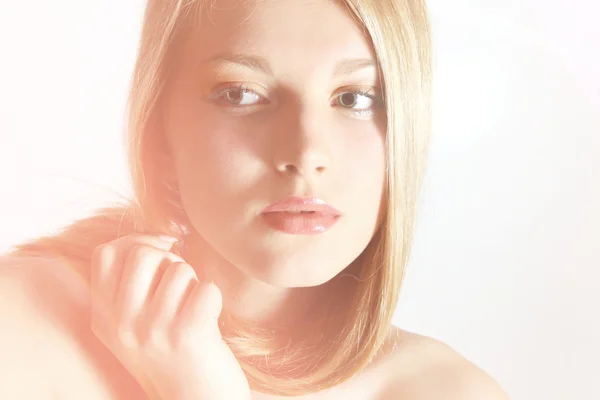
[{"x": 354, "y": 326}]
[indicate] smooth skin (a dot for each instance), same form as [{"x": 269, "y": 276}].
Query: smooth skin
[
  {"x": 240, "y": 135},
  {"x": 151, "y": 310},
  {"x": 52, "y": 347}
]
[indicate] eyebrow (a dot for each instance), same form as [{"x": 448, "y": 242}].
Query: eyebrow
[
  {"x": 347, "y": 66},
  {"x": 255, "y": 63}
]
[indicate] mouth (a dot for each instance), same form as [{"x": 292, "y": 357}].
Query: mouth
[{"x": 301, "y": 216}]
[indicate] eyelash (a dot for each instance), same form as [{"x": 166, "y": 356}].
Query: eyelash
[{"x": 243, "y": 88}]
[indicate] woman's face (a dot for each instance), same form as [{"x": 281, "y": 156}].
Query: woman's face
[{"x": 272, "y": 99}]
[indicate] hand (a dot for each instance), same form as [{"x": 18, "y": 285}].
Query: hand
[{"x": 161, "y": 322}]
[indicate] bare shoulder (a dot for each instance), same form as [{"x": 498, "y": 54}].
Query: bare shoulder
[
  {"x": 40, "y": 292},
  {"x": 48, "y": 350},
  {"x": 421, "y": 368}
]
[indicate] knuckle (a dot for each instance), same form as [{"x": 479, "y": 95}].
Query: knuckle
[
  {"x": 183, "y": 270},
  {"x": 156, "y": 338},
  {"x": 103, "y": 252},
  {"x": 101, "y": 261},
  {"x": 139, "y": 251},
  {"x": 127, "y": 336},
  {"x": 208, "y": 297},
  {"x": 139, "y": 255},
  {"x": 180, "y": 341},
  {"x": 142, "y": 252},
  {"x": 215, "y": 292}
]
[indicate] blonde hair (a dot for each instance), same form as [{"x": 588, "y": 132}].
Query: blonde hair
[{"x": 338, "y": 347}]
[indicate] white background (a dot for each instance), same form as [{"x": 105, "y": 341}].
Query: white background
[{"x": 507, "y": 252}]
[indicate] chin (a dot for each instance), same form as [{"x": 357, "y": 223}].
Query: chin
[{"x": 294, "y": 270}]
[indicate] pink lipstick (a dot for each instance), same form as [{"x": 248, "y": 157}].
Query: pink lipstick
[{"x": 301, "y": 215}]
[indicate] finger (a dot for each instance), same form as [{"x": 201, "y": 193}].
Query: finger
[
  {"x": 175, "y": 286},
  {"x": 140, "y": 271},
  {"x": 102, "y": 263},
  {"x": 108, "y": 260},
  {"x": 160, "y": 242}
]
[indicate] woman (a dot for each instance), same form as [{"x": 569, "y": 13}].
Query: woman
[{"x": 276, "y": 149}]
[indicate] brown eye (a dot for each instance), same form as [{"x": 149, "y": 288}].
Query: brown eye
[
  {"x": 234, "y": 96},
  {"x": 355, "y": 100},
  {"x": 347, "y": 100},
  {"x": 241, "y": 97}
]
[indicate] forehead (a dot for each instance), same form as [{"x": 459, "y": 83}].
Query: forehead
[{"x": 292, "y": 31}]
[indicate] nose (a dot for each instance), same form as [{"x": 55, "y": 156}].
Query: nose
[
  {"x": 310, "y": 163},
  {"x": 303, "y": 148}
]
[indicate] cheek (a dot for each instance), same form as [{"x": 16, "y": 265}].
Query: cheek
[
  {"x": 208, "y": 148},
  {"x": 367, "y": 177},
  {"x": 365, "y": 167},
  {"x": 215, "y": 165}
]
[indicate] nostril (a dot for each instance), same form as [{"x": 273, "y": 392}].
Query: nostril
[{"x": 291, "y": 168}]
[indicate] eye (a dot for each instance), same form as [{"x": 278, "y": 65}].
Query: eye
[
  {"x": 241, "y": 97},
  {"x": 237, "y": 96},
  {"x": 357, "y": 101}
]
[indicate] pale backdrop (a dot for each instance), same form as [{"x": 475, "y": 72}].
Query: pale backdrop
[{"x": 507, "y": 253}]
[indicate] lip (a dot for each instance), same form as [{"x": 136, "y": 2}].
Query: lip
[
  {"x": 302, "y": 204},
  {"x": 301, "y": 215}
]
